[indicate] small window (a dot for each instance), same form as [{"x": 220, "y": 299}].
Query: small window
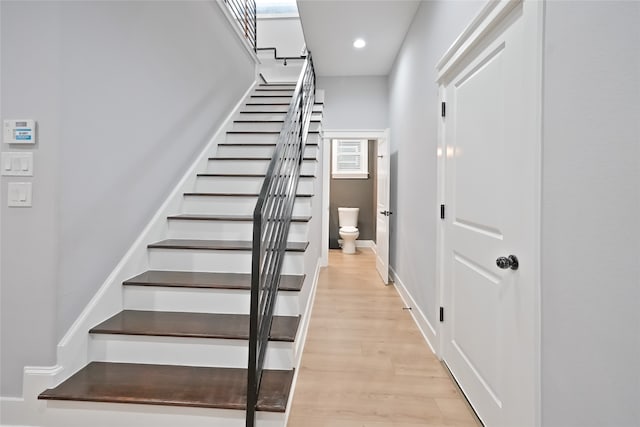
[{"x": 349, "y": 159}]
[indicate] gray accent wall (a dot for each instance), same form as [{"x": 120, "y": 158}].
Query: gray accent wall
[
  {"x": 590, "y": 215},
  {"x": 126, "y": 94},
  {"x": 355, "y": 193}
]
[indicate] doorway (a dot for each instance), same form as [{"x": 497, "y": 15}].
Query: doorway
[{"x": 362, "y": 193}]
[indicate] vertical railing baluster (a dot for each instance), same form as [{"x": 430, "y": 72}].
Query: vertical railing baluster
[{"x": 272, "y": 220}]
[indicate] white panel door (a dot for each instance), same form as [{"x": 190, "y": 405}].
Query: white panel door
[
  {"x": 382, "y": 208},
  {"x": 491, "y": 176}
]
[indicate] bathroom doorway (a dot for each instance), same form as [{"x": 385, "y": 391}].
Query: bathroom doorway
[{"x": 355, "y": 190}]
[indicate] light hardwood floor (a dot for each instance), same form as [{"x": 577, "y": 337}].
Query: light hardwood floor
[{"x": 365, "y": 363}]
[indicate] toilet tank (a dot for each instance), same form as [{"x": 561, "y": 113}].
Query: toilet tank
[{"x": 348, "y": 217}]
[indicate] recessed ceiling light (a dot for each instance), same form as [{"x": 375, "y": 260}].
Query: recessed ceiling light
[{"x": 359, "y": 43}]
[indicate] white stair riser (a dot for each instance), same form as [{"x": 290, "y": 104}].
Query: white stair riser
[
  {"x": 224, "y": 301},
  {"x": 279, "y": 92},
  {"x": 310, "y": 151},
  {"x": 272, "y": 108},
  {"x": 252, "y": 166},
  {"x": 95, "y": 414},
  {"x": 227, "y": 230},
  {"x": 213, "y": 205},
  {"x": 269, "y": 99},
  {"x": 275, "y": 126},
  {"x": 222, "y": 353},
  {"x": 232, "y": 184},
  {"x": 266, "y": 138},
  {"x": 216, "y": 261},
  {"x": 272, "y": 116}
]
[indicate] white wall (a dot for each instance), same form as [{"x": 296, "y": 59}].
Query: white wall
[
  {"x": 590, "y": 212},
  {"x": 285, "y": 34},
  {"x": 413, "y": 112},
  {"x": 126, "y": 94},
  {"x": 359, "y": 102}
]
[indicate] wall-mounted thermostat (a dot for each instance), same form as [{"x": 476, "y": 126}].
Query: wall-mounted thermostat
[{"x": 19, "y": 131}]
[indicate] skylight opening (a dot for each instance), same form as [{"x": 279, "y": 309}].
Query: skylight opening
[{"x": 276, "y": 8}]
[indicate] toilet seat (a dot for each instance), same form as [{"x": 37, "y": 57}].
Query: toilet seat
[{"x": 348, "y": 229}]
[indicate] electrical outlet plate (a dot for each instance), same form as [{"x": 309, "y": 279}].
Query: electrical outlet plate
[
  {"x": 16, "y": 164},
  {"x": 19, "y": 194}
]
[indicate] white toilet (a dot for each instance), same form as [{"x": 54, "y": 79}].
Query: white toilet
[{"x": 348, "y": 221}]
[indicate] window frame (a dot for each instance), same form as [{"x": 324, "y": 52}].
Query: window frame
[{"x": 362, "y": 172}]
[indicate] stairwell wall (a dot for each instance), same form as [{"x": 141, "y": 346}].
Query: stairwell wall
[
  {"x": 413, "y": 115},
  {"x": 590, "y": 346},
  {"x": 355, "y": 102},
  {"x": 126, "y": 95}
]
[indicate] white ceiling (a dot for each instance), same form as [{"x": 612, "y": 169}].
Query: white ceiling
[{"x": 330, "y": 27}]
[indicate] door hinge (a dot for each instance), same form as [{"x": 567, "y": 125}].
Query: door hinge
[
  {"x": 443, "y": 112},
  {"x": 441, "y": 211},
  {"x": 442, "y": 314}
]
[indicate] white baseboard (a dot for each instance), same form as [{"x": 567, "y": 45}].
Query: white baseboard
[
  {"x": 361, "y": 243},
  {"x": 429, "y": 333},
  {"x": 28, "y": 410}
]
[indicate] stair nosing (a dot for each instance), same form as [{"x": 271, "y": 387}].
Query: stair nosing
[
  {"x": 255, "y": 158},
  {"x": 280, "y": 382},
  {"x": 259, "y": 144},
  {"x": 218, "y": 245},
  {"x": 245, "y": 175},
  {"x": 242, "y": 281},
  {"x": 204, "y": 194},
  {"x": 262, "y": 132},
  {"x": 237, "y": 218},
  {"x": 104, "y": 327}
]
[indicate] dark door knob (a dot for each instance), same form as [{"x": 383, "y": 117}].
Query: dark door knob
[
  {"x": 386, "y": 213},
  {"x": 508, "y": 262}
]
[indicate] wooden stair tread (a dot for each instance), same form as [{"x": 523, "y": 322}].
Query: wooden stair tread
[
  {"x": 261, "y": 132},
  {"x": 258, "y": 144},
  {"x": 268, "y": 121},
  {"x": 277, "y": 103},
  {"x": 229, "y": 217},
  {"x": 224, "y": 245},
  {"x": 192, "y": 386},
  {"x": 246, "y": 175},
  {"x": 275, "y": 112},
  {"x": 207, "y": 280},
  {"x": 193, "y": 325},
  {"x": 274, "y": 90},
  {"x": 252, "y": 158},
  {"x": 234, "y": 195}
]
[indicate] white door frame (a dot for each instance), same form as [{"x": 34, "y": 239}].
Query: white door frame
[
  {"x": 327, "y": 136},
  {"x": 487, "y": 19}
]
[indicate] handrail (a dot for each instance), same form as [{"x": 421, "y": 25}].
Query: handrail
[
  {"x": 281, "y": 58},
  {"x": 244, "y": 13},
  {"x": 271, "y": 221}
]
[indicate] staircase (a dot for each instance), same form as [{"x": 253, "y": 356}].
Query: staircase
[{"x": 181, "y": 341}]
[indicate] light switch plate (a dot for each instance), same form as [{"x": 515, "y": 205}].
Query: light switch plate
[
  {"x": 19, "y": 194},
  {"x": 17, "y": 164}
]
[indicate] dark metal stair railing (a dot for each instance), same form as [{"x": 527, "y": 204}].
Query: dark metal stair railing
[
  {"x": 244, "y": 13},
  {"x": 271, "y": 221}
]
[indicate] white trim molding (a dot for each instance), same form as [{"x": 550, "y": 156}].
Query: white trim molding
[
  {"x": 327, "y": 136},
  {"x": 427, "y": 330}
]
